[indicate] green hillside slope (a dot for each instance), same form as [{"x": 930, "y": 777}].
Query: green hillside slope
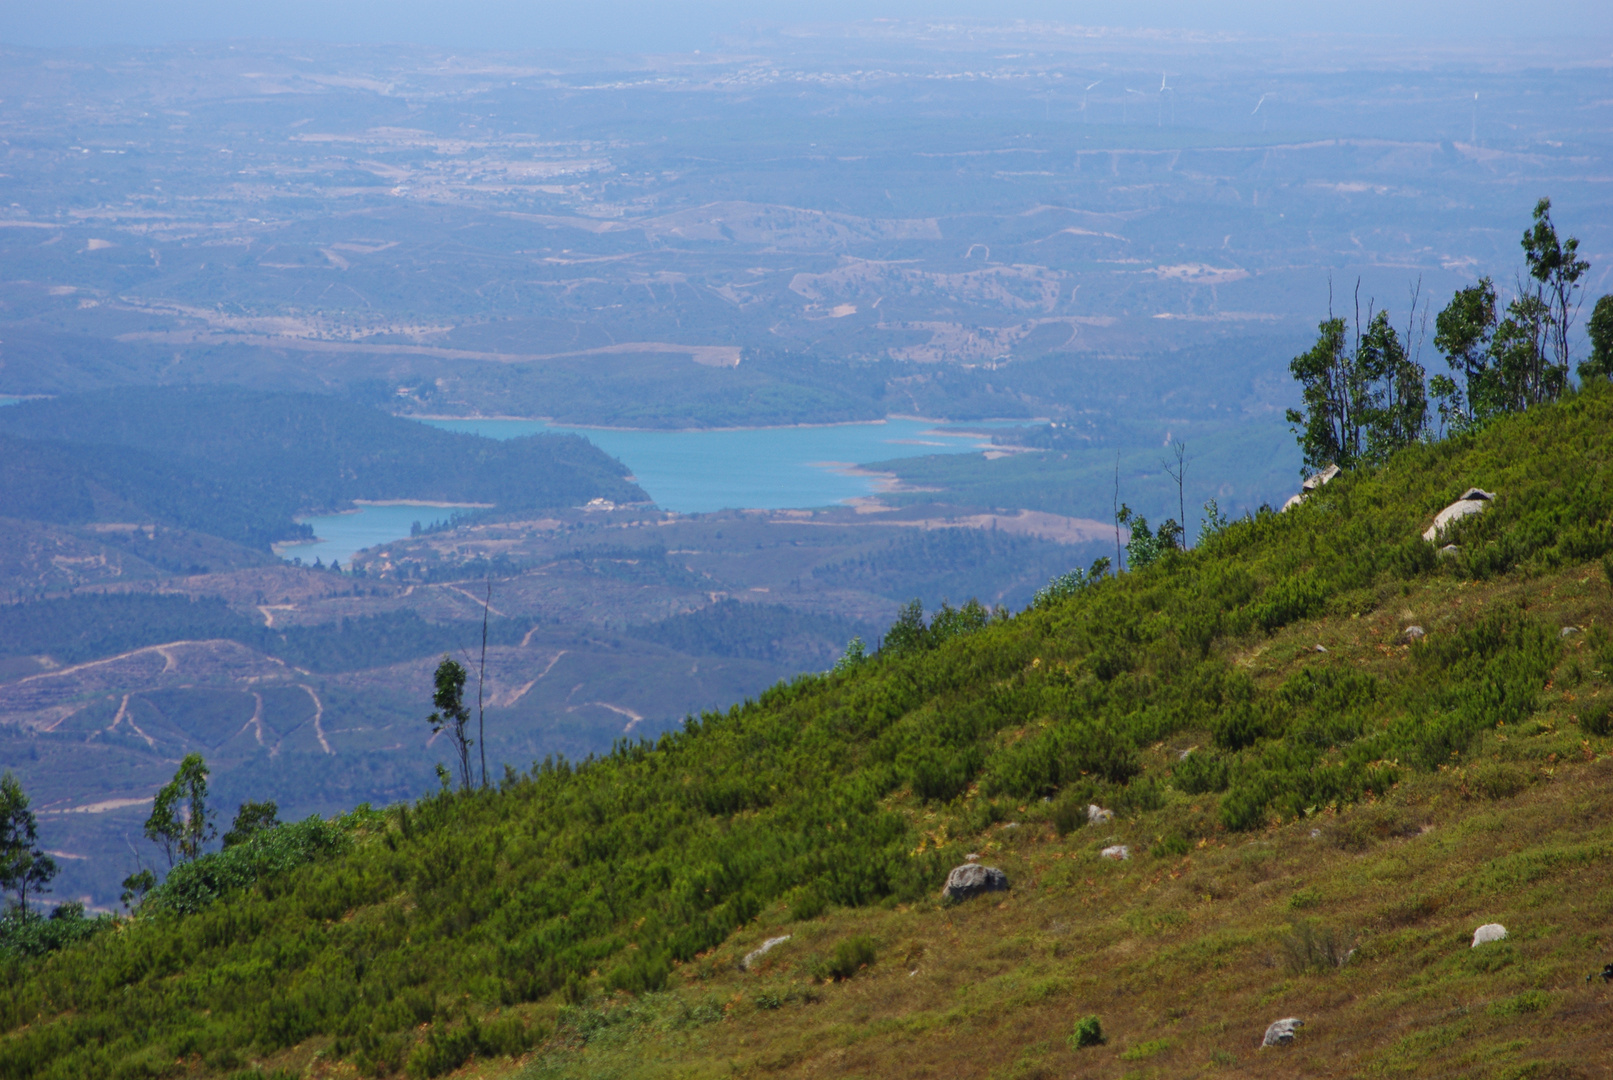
[
  {"x": 288, "y": 454},
  {"x": 1293, "y": 775}
]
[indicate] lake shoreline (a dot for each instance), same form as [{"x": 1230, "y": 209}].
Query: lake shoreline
[{"x": 961, "y": 424}]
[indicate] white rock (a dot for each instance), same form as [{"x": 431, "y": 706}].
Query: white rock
[
  {"x": 756, "y": 954},
  {"x": 1449, "y": 551},
  {"x": 1117, "y": 851},
  {"x": 1568, "y": 631},
  {"x": 1320, "y": 647},
  {"x": 1487, "y": 933},
  {"x": 1316, "y": 480},
  {"x": 1312, "y": 482},
  {"x": 1282, "y": 1032},
  {"x": 1473, "y": 501},
  {"x": 1097, "y": 815},
  {"x": 1413, "y": 633}
]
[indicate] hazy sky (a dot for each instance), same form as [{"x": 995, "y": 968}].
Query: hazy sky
[{"x": 677, "y": 25}]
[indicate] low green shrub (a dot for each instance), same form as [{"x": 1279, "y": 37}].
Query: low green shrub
[
  {"x": 444, "y": 1050},
  {"x": 1597, "y": 719},
  {"x": 1069, "y": 814},
  {"x": 1088, "y": 1032},
  {"x": 1307, "y": 948},
  {"x": 849, "y": 957},
  {"x": 1202, "y": 772}
]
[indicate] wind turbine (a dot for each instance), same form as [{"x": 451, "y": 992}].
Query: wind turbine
[
  {"x": 1084, "y": 94},
  {"x": 1129, "y": 90},
  {"x": 1162, "y": 91},
  {"x": 1473, "y": 135},
  {"x": 1256, "y": 109}
]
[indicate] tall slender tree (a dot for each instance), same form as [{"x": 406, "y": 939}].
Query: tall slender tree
[
  {"x": 451, "y": 716},
  {"x": 1556, "y": 269},
  {"x": 180, "y": 820},
  {"x": 25, "y": 868}
]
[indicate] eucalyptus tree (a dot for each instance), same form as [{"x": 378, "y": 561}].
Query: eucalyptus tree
[
  {"x": 1600, "y": 330},
  {"x": 1509, "y": 359},
  {"x": 1363, "y": 400},
  {"x": 451, "y": 715},
  {"x": 180, "y": 820},
  {"x": 25, "y": 868}
]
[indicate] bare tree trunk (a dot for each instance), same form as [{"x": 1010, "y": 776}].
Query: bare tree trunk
[
  {"x": 481, "y": 676},
  {"x": 1118, "y": 562},
  {"x": 1179, "y": 474}
]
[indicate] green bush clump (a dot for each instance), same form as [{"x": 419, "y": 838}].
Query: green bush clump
[
  {"x": 849, "y": 957},
  {"x": 1069, "y": 814},
  {"x": 192, "y": 886},
  {"x": 32, "y": 934},
  {"x": 1088, "y": 1032},
  {"x": 1202, "y": 772},
  {"x": 444, "y": 1050},
  {"x": 1597, "y": 720}
]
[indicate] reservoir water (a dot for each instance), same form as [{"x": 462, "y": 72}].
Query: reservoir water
[
  {"x": 340, "y": 535},
  {"x": 688, "y": 472},
  {"x": 693, "y": 472}
]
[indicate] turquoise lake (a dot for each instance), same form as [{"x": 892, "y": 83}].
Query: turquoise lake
[
  {"x": 694, "y": 472},
  {"x": 689, "y": 472}
]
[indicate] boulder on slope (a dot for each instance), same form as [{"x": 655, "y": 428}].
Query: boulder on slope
[
  {"x": 1282, "y": 1032},
  {"x": 972, "y": 879},
  {"x": 1473, "y": 501}
]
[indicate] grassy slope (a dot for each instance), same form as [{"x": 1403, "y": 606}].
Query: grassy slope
[
  {"x": 1182, "y": 957},
  {"x": 590, "y": 885}
]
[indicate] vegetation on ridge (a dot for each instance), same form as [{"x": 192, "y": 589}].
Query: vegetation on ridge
[{"x": 864, "y": 786}]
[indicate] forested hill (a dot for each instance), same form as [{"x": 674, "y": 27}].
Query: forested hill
[
  {"x": 287, "y": 454},
  {"x": 73, "y": 484},
  {"x": 1294, "y": 772}
]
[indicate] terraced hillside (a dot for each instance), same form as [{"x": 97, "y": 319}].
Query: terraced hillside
[{"x": 1318, "y": 806}]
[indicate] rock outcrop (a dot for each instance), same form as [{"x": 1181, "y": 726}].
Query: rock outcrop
[
  {"x": 1282, "y": 1032},
  {"x": 1473, "y": 501},
  {"x": 972, "y": 879},
  {"x": 1097, "y": 815},
  {"x": 1312, "y": 482},
  {"x": 1118, "y": 851}
]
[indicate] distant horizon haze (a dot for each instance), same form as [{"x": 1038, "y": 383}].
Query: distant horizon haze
[{"x": 683, "y": 25}]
